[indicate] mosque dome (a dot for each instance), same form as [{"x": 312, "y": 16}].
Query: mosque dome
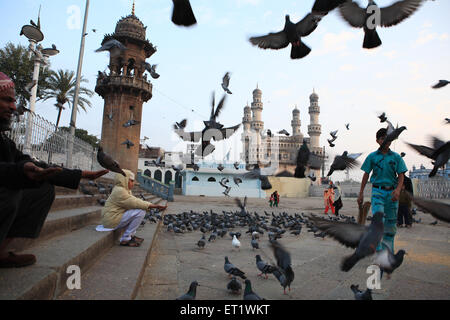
[
  {"x": 130, "y": 26},
  {"x": 314, "y": 96}
]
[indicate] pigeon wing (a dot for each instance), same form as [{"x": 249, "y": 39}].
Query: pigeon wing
[
  {"x": 282, "y": 256},
  {"x": 352, "y": 13},
  {"x": 439, "y": 210},
  {"x": 398, "y": 12},
  {"x": 220, "y": 107},
  {"x": 423, "y": 150},
  {"x": 277, "y": 40},
  {"x": 226, "y": 80},
  {"x": 227, "y": 132},
  {"x": 314, "y": 161},
  {"x": 307, "y": 25}
]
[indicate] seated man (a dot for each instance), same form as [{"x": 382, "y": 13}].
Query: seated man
[
  {"x": 26, "y": 187},
  {"x": 123, "y": 210}
]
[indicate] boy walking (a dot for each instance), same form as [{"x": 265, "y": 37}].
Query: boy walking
[{"x": 387, "y": 179}]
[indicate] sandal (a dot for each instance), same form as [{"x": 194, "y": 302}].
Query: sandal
[
  {"x": 130, "y": 243},
  {"x": 137, "y": 239}
]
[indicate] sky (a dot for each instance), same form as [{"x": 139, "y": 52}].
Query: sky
[{"x": 354, "y": 84}]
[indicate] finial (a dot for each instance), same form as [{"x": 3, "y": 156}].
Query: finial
[
  {"x": 257, "y": 85},
  {"x": 132, "y": 10},
  {"x": 39, "y": 18}
]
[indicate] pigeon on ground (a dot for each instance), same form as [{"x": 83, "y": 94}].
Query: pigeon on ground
[
  {"x": 234, "y": 285},
  {"x": 242, "y": 206},
  {"x": 182, "y": 14},
  {"x": 85, "y": 190},
  {"x": 322, "y": 7},
  {"x": 248, "y": 292},
  {"x": 283, "y": 132},
  {"x": 201, "y": 243},
  {"x": 101, "y": 202},
  {"x": 256, "y": 174},
  {"x": 283, "y": 258},
  {"x": 392, "y": 134},
  {"x": 151, "y": 68},
  {"x": 437, "y": 209},
  {"x": 440, "y": 84},
  {"x": 232, "y": 270},
  {"x": 254, "y": 243},
  {"x": 433, "y": 223},
  {"x": 212, "y": 237},
  {"x": 292, "y": 34},
  {"x": 387, "y": 261},
  {"x": 128, "y": 143},
  {"x": 360, "y": 295},
  {"x": 389, "y": 16},
  {"x": 236, "y": 243},
  {"x": 264, "y": 267},
  {"x": 190, "y": 295},
  {"x": 345, "y": 161},
  {"x": 107, "y": 162},
  {"x": 130, "y": 123},
  {"x": 382, "y": 117},
  {"x": 440, "y": 153},
  {"x": 226, "y": 83},
  {"x": 111, "y": 44}
]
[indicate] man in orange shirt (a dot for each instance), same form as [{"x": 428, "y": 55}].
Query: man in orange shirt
[{"x": 328, "y": 197}]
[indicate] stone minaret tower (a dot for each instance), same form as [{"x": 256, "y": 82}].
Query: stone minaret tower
[
  {"x": 257, "y": 125},
  {"x": 296, "y": 123},
  {"x": 314, "y": 129},
  {"x": 246, "y": 122},
  {"x": 124, "y": 90}
]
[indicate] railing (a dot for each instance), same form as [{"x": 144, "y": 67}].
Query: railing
[
  {"x": 156, "y": 187},
  {"x": 36, "y": 137}
]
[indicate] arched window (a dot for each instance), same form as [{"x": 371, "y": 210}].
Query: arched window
[
  {"x": 178, "y": 180},
  {"x": 167, "y": 177},
  {"x": 158, "y": 175},
  {"x": 211, "y": 179},
  {"x": 195, "y": 179},
  {"x": 148, "y": 173}
]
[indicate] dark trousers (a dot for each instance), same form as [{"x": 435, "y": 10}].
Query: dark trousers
[
  {"x": 23, "y": 212},
  {"x": 337, "y": 206},
  {"x": 403, "y": 215}
]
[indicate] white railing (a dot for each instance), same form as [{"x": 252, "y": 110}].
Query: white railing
[{"x": 36, "y": 137}]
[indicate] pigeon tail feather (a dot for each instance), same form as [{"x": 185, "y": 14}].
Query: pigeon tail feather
[
  {"x": 371, "y": 39},
  {"x": 300, "y": 50},
  {"x": 349, "y": 262}
]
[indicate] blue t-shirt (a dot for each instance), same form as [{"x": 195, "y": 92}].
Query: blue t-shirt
[{"x": 386, "y": 168}]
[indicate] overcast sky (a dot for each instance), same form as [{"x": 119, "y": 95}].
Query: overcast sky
[{"x": 354, "y": 84}]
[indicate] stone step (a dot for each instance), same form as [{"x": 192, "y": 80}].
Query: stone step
[{"x": 46, "y": 279}]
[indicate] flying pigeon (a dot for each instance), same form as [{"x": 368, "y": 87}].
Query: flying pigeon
[
  {"x": 389, "y": 16},
  {"x": 107, "y": 162},
  {"x": 447, "y": 120},
  {"x": 180, "y": 125},
  {"x": 152, "y": 69},
  {"x": 223, "y": 182},
  {"x": 292, "y": 34},
  {"x": 182, "y": 14},
  {"x": 347, "y": 126},
  {"x": 437, "y": 209},
  {"x": 157, "y": 162},
  {"x": 330, "y": 142},
  {"x": 226, "y": 83},
  {"x": 440, "y": 84},
  {"x": 195, "y": 167},
  {"x": 382, "y": 117},
  {"x": 360, "y": 295},
  {"x": 178, "y": 168},
  {"x": 343, "y": 162},
  {"x": 284, "y": 132},
  {"x": 248, "y": 292},
  {"x": 190, "y": 295},
  {"x": 130, "y": 123},
  {"x": 232, "y": 270},
  {"x": 128, "y": 143},
  {"x": 322, "y": 7},
  {"x": 234, "y": 285},
  {"x": 440, "y": 153},
  {"x": 392, "y": 134},
  {"x": 111, "y": 44},
  {"x": 237, "y": 181},
  {"x": 306, "y": 158},
  {"x": 312, "y": 176},
  {"x": 283, "y": 258},
  {"x": 236, "y": 165},
  {"x": 402, "y": 154},
  {"x": 220, "y": 167},
  {"x": 333, "y": 135},
  {"x": 264, "y": 267},
  {"x": 256, "y": 174}
]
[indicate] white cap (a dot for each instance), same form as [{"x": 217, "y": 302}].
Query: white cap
[{"x": 131, "y": 177}]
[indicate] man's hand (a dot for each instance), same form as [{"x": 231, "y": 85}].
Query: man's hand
[
  {"x": 360, "y": 198},
  {"x": 35, "y": 173},
  {"x": 395, "y": 195},
  {"x": 92, "y": 175}
]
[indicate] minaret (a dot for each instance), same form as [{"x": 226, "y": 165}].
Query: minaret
[
  {"x": 296, "y": 123},
  {"x": 124, "y": 91},
  {"x": 257, "y": 125},
  {"x": 246, "y": 123},
  {"x": 314, "y": 128}
]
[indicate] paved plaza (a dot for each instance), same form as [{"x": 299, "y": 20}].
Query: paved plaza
[{"x": 176, "y": 260}]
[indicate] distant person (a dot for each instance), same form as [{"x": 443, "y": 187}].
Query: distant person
[
  {"x": 27, "y": 187},
  {"x": 122, "y": 210},
  {"x": 328, "y": 197},
  {"x": 337, "y": 198},
  {"x": 272, "y": 199},
  {"x": 276, "y": 198},
  {"x": 388, "y": 172}
]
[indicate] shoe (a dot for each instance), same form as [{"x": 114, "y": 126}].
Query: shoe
[
  {"x": 137, "y": 239},
  {"x": 17, "y": 260}
]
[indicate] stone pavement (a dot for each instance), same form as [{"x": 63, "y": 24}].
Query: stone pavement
[{"x": 175, "y": 260}]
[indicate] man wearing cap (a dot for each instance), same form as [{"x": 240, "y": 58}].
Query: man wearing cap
[{"x": 27, "y": 187}]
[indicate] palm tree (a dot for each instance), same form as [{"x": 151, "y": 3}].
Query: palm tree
[{"x": 61, "y": 86}]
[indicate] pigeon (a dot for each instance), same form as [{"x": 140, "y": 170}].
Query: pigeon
[
  {"x": 110, "y": 115},
  {"x": 343, "y": 162},
  {"x": 292, "y": 34},
  {"x": 333, "y": 135},
  {"x": 190, "y": 295},
  {"x": 347, "y": 126},
  {"x": 360, "y": 295},
  {"x": 235, "y": 242},
  {"x": 242, "y": 206},
  {"x": 283, "y": 258},
  {"x": 223, "y": 182},
  {"x": 130, "y": 123},
  {"x": 157, "y": 162},
  {"x": 85, "y": 190},
  {"x": 269, "y": 133},
  {"x": 264, "y": 267},
  {"x": 248, "y": 292},
  {"x": 178, "y": 168},
  {"x": 237, "y": 180},
  {"x": 236, "y": 165},
  {"x": 151, "y": 68},
  {"x": 182, "y": 14},
  {"x": 433, "y": 223},
  {"x": 101, "y": 202},
  {"x": 180, "y": 125},
  {"x": 195, "y": 167},
  {"x": 447, "y": 120},
  {"x": 107, "y": 162},
  {"x": 254, "y": 243},
  {"x": 364, "y": 238},
  {"x": 111, "y": 44},
  {"x": 440, "y": 84},
  {"x": 439, "y": 210},
  {"x": 382, "y": 117},
  {"x": 322, "y": 7},
  {"x": 402, "y": 154},
  {"x": 312, "y": 176},
  {"x": 226, "y": 83},
  {"x": 212, "y": 236},
  {"x": 128, "y": 143},
  {"x": 440, "y": 153},
  {"x": 284, "y": 132},
  {"x": 387, "y": 261},
  {"x": 220, "y": 167},
  {"x": 330, "y": 143},
  {"x": 201, "y": 243},
  {"x": 256, "y": 174},
  {"x": 232, "y": 270},
  {"x": 392, "y": 134},
  {"x": 389, "y": 16},
  {"x": 30, "y": 86},
  {"x": 234, "y": 285},
  {"x": 306, "y": 158}
]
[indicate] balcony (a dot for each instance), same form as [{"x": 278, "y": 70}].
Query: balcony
[{"x": 108, "y": 84}]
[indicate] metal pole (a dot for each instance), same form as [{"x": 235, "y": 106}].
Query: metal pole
[{"x": 73, "y": 119}]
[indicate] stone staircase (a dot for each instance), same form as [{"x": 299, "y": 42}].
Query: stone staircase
[{"x": 68, "y": 237}]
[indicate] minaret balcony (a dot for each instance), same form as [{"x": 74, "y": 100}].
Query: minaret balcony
[
  {"x": 108, "y": 84},
  {"x": 314, "y": 109},
  {"x": 314, "y": 129}
]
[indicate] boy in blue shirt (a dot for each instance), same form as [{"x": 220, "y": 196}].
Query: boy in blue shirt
[{"x": 387, "y": 179}]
